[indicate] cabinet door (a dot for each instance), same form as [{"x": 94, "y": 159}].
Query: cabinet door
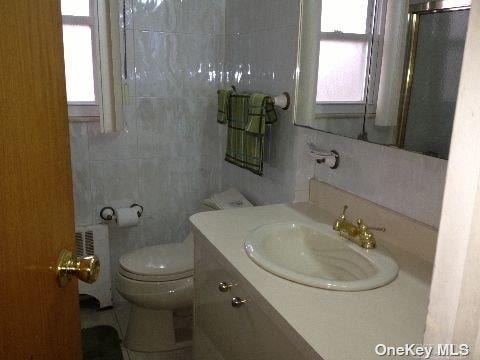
[
  {"x": 212, "y": 324},
  {"x": 225, "y": 332}
]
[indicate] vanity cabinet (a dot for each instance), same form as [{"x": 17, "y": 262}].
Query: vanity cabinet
[{"x": 226, "y": 331}]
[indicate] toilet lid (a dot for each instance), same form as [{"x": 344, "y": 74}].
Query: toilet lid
[{"x": 160, "y": 263}]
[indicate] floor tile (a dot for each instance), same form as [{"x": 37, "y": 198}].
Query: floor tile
[
  {"x": 91, "y": 317},
  {"x": 126, "y": 355},
  {"x": 122, "y": 312},
  {"x": 184, "y": 354},
  {"x": 151, "y": 356},
  {"x": 117, "y": 317}
]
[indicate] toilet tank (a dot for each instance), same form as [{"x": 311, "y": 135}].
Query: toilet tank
[
  {"x": 230, "y": 199},
  {"x": 205, "y": 206}
]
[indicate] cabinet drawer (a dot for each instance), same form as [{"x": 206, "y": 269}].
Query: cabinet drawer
[{"x": 232, "y": 331}]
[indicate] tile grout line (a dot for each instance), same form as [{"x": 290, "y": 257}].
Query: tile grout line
[
  {"x": 118, "y": 322},
  {"x": 124, "y": 349},
  {"x": 135, "y": 113},
  {"x": 90, "y": 178}
]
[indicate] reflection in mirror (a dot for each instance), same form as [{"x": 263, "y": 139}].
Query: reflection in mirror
[
  {"x": 385, "y": 71},
  {"x": 430, "y": 96}
]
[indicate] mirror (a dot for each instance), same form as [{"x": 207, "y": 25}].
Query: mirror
[{"x": 385, "y": 71}]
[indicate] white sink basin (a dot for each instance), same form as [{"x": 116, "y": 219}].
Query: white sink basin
[{"x": 317, "y": 256}]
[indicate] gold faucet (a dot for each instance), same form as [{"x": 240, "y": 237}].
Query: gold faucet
[{"x": 359, "y": 233}]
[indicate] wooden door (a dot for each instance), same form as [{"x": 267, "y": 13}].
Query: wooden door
[{"x": 38, "y": 319}]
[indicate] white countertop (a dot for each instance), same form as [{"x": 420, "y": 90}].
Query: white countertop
[{"x": 337, "y": 325}]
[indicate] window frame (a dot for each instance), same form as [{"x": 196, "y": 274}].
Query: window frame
[
  {"x": 81, "y": 110},
  {"x": 374, "y": 31}
]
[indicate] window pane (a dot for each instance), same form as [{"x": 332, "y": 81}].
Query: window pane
[
  {"x": 348, "y": 16},
  {"x": 77, "y": 43},
  {"x": 76, "y": 7},
  {"x": 342, "y": 70}
]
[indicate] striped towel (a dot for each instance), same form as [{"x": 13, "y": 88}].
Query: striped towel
[
  {"x": 260, "y": 113},
  {"x": 223, "y": 105},
  {"x": 246, "y": 116}
]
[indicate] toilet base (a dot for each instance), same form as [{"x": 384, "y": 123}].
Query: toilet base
[{"x": 151, "y": 330}]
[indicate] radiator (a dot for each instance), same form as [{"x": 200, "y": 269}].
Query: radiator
[{"x": 93, "y": 240}]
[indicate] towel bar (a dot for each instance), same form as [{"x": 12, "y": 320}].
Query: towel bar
[{"x": 282, "y": 100}]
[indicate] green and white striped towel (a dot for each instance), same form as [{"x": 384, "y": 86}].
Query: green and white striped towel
[{"x": 246, "y": 116}]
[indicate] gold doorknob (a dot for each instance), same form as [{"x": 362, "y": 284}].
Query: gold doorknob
[{"x": 86, "y": 268}]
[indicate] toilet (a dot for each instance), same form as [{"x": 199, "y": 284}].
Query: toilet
[{"x": 158, "y": 280}]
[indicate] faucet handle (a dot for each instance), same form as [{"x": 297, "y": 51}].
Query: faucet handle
[
  {"x": 382, "y": 229},
  {"x": 367, "y": 239},
  {"x": 364, "y": 227},
  {"x": 339, "y": 222}
]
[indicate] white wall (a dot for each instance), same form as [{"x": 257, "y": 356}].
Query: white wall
[
  {"x": 454, "y": 307},
  {"x": 168, "y": 159},
  {"x": 260, "y": 55}
]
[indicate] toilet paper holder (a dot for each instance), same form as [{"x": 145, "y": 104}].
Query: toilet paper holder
[{"x": 108, "y": 213}]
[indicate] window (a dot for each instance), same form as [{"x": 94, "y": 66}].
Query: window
[
  {"x": 91, "y": 41},
  {"x": 347, "y": 63},
  {"x": 79, "y": 42}
]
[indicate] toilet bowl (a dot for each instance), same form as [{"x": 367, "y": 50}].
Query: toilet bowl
[{"x": 158, "y": 280}]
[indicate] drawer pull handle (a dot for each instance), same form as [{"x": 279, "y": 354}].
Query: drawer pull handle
[
  {"x": 237, "y": 302},
  {"x": 224, "y": 286}
]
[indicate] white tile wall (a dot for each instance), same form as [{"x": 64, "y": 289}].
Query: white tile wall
[
  {"x": 168, "y": 158},
  {"x": 185, "y": 16},
  {"x": 175, "y": 64},
  {"x": 260, "y": 55},
  {"x": 171, "y": 156}
]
